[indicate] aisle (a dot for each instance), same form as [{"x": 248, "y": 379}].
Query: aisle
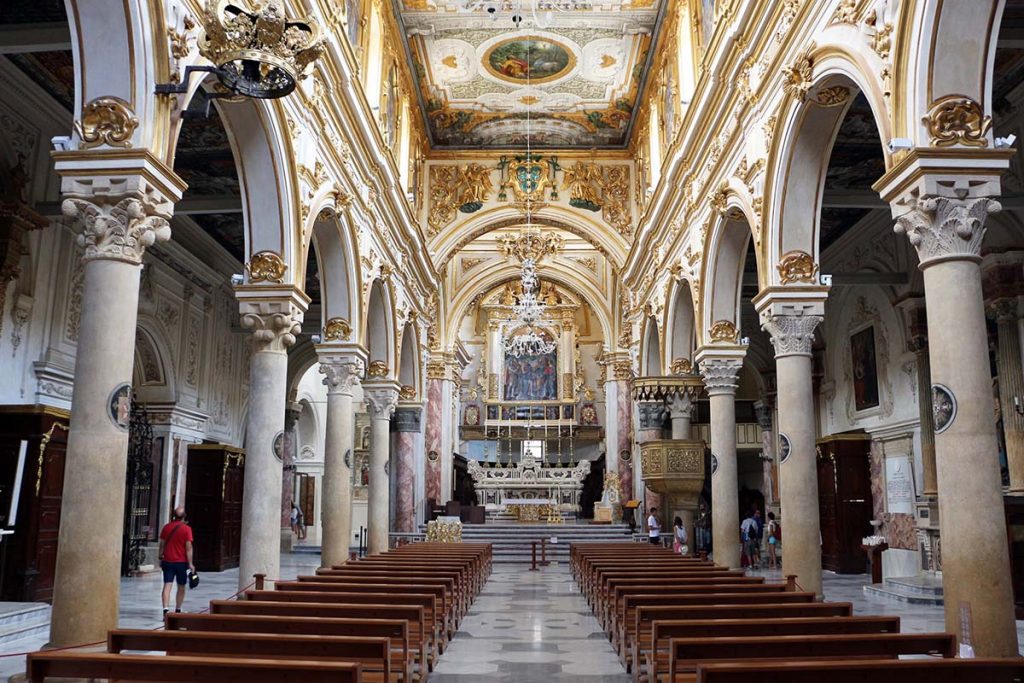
[{"x": 529, "y": 627}]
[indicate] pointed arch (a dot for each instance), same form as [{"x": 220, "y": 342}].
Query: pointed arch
[
  {"x": 650, "y": 358},
  {"x": 409, "y": 359}
]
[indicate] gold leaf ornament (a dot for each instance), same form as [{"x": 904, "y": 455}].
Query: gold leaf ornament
[
  {"x": 266, "y": 266},
  {"x": 106, "y": 121}
]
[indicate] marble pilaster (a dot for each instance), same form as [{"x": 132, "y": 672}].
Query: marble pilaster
[
  {"x": 117, "y": 217},
  {"x": 721, "y": 378},
  {"x": 341, "y": 372},
  {"x": 288, "y": 456},
  {"x": 791, "y": 325},
  {"x": 409, "y": 429},
  {"x": 381, "y": 398},
  {"x": 273, "y": 313},
  {"x": 944, "y": 219}
]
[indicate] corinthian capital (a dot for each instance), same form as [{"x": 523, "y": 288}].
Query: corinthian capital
[
  {"x": 945, "y": 228},
  {"x": 791, "y": 335},
  {"x": 381, "y": 400},
  {"x": 721, "y": 375},
  {"x": 119, "y": 230},
  {"x": 340, "y": 376}
]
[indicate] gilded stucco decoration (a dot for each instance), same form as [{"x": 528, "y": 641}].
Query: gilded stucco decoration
[
  {"x": 377, "y": 368},
  {"x": 528, "y": 177},
  {"x": 616, "y": 200},
  {"x": 833, "y": 96},
  {"x": 407, "y": 392},
  {"x": 337, "y": 329},
  {"x": 530, "y": 243},
  {"x": 583, "y": 182},
  {"x": 454, "y": 188},
  {"x": 681, "y": 366},
  {"x": 846, "y": 12},
  {"x": 724, "y": 331},
  {"x": 957, "y": 120},
  {"x": 106, "y": 121},
  {"x": 797, "y": 266},
  {"x": 266, "y": 266},
  {"x": 797, "y": 76}
]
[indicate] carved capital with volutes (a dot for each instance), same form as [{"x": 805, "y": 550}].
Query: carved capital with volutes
[
  {"x": 119, "y": 230},
  {"x": 681, "y": 404},
  {"x": 341, "y": 376},
  {"x": 945, "y": 228},
  {"x": 381, "y": 400},
  {"x": 791, "y": 335},
  {"x": 721, "y": 375}
]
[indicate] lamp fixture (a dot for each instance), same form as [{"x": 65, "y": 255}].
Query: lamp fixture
[{"x": 259, "y": 54}]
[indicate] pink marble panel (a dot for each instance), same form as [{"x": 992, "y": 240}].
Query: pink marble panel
[
  {"x": 405, "y": 482},
  {"x": 432, "y": 439},
  {"x": 625, "y": 426}
]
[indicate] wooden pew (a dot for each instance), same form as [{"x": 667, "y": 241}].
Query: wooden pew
[
  {"x": 875, "y": 671},
  {"x": 615, "y": 605},
  {"x": 396, "y": 630},
  {"x": 687, "y": 653},
  {"x": 444, "y": 598},
  {"x": 461, "y": 596},
  {"x": 452, "y": 596},
  {"x": 654, "y": 656},
  {"x": 603, "y": 593},
  {"x": 412, "y": 614},
  {"x": 373, "y": 654},
  {"x": 431, "y": 615},
  {"x": 44, "y": 665},
  {"x": 648, "y": 614}
]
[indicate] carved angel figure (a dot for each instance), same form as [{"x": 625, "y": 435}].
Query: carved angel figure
[{"x": 582, "y": 181}]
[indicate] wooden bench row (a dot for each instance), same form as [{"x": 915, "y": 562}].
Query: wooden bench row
[
  {"x": 680, "y": 620},
  {"x": 381, "y": 619}
]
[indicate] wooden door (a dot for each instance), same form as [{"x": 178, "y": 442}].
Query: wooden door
[
  {"x": 231, "y": 513},
  {"x": 307, "y": 500},
  {"x": 828, "y": 512},
  {"x": 203, "y": 506}
]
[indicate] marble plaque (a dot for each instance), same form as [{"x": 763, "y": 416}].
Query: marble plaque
[{"x": 899, "y": 485}]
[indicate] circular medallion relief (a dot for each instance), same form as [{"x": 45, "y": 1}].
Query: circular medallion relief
[
  {"x": 714, "y": 464},
  {"x": 625, "y": 456},
  {"x": 530, "y": 59},
  {"x": 433, "y": 456},
  {"x": 785, "y": 447},
  {"x": 279, "y": 446},
  {"x": 119, "y": 406},
  {"x": 943, "y": 407}
]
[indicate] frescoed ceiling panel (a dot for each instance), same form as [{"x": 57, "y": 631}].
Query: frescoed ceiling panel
[{"x": 569, "y": 76}]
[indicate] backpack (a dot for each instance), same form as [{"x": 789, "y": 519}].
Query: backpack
[{"x": 775, "y": 529}]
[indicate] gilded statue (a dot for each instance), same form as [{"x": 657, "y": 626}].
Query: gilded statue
[
  {"x": 475, "y": 187},
  {"x": 582, "y": 181}
]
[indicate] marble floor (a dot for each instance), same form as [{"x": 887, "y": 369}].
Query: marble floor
[{"x": 524, "y": 627}]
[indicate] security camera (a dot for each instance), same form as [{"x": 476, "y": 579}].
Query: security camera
[
  {"x": 316, "y": 338},
  {"x": 900, "y": 144},
  {"x": 826, "y": 280},
  {"x": 517, "y": 19},
  {"x": 745, "y": 341},
  {"x": 491, "y": 8},
  {"x": 237, "y": 279},
  {"x": 61, "y": 143},
  {"x": 1004, "y": 143}
]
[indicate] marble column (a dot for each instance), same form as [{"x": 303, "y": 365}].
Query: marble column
[
  {"x": 947, "y": 233},
  {"x": 114, "y": 232},
  {"x": 792, "y": 335},
  {"x": 288, "y": 457},
  {"x": 769, "y": 468},
  {"x": 1011, "y": 388},
  {"x": 681, "y": 412},
  {"x": 274, "y": 314},
  {"x": 381, "y": 399},
  {"x": 408, "y": 426},
  {"x": 341, "y": 375},
  {"x": 438, "y": 435},
  {"x": 721, "y": 377}
]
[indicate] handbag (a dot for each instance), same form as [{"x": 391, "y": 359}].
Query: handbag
[{"x": 193, "y": 578}]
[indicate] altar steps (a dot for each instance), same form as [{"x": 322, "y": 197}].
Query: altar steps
[{"x": 512, "y": 542}]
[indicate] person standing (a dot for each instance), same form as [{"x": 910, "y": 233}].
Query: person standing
[
  {"x": 750, "y": 541},
  {"x": 774, "y": 536},
  {"x": 176, "y": 557},
  {"x": 679, "y": 539},
  {"x": 653, "y": 528}
]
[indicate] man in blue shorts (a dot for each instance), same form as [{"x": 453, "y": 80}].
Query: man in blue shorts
[{"x": 176, "y": 557}]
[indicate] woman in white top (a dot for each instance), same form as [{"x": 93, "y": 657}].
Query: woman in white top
[{"x": 679, "y": 538}]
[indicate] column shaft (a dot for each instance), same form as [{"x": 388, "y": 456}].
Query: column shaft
[
  {"x": 725, "y": 514},
  {"x": 1011, "y": 392},
  {"x": 975, "y": 566},
  {"x": 87, "y": 582},
  {"x": 261, "y": 495},
  {"x": 924, "y": 404},
  {"x": 798, "y": 473},
  {"x": 378, "y": 495},
  {"x": 408, "y": 438},
  {"x": 336, "y": 511}
]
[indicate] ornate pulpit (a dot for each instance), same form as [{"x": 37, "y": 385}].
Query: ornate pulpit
[{"x": 674, "y": 468}]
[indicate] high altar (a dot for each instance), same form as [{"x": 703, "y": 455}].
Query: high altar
[{"x": 501, "y": 487}]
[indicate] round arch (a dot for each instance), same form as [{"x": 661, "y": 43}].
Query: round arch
[
  {"x": 332, "y": 242},
  {"x": 798, "y": 160},
  {"x": 650, "y": 349},
  {"x": 379, "y": 334},
  {"x": 449, "y": 241},
  {"x": 723, "y": 273},
  {"x": 153, "y": 376},
  {"x": 680, "y": 326},
  {"x": 409, "y": 359},
  {"x": 488, "y": 280}
]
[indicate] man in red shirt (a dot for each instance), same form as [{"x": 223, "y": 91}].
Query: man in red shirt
[{"x": 176, "y": 557}]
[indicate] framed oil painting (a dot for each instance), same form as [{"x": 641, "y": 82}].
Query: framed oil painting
[
  {"x": 865, "y": 369},
  {"x": 532, "y": 378}
]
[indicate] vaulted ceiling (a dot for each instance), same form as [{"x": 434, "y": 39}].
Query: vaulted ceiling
[{"x": 574, "y": 73}]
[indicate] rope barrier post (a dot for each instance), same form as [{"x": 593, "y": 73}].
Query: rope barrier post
[
  {"x": 791, "y": 583},
  {"x": 259, "y": 580},
  {"x": 533, "y": 556},
  {"x": 544, "y": 552}
]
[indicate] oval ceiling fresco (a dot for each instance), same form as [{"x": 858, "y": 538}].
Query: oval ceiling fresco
[{"x": 529, "y": 59}]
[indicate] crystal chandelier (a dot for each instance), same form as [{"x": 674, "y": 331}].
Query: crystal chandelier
[{"x": 528, "y": 311}]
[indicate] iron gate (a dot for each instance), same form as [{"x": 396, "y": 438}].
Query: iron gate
[{"x": 138, "y": 485}]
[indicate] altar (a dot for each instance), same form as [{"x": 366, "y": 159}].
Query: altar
[{"x": 527, "y": 484}]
